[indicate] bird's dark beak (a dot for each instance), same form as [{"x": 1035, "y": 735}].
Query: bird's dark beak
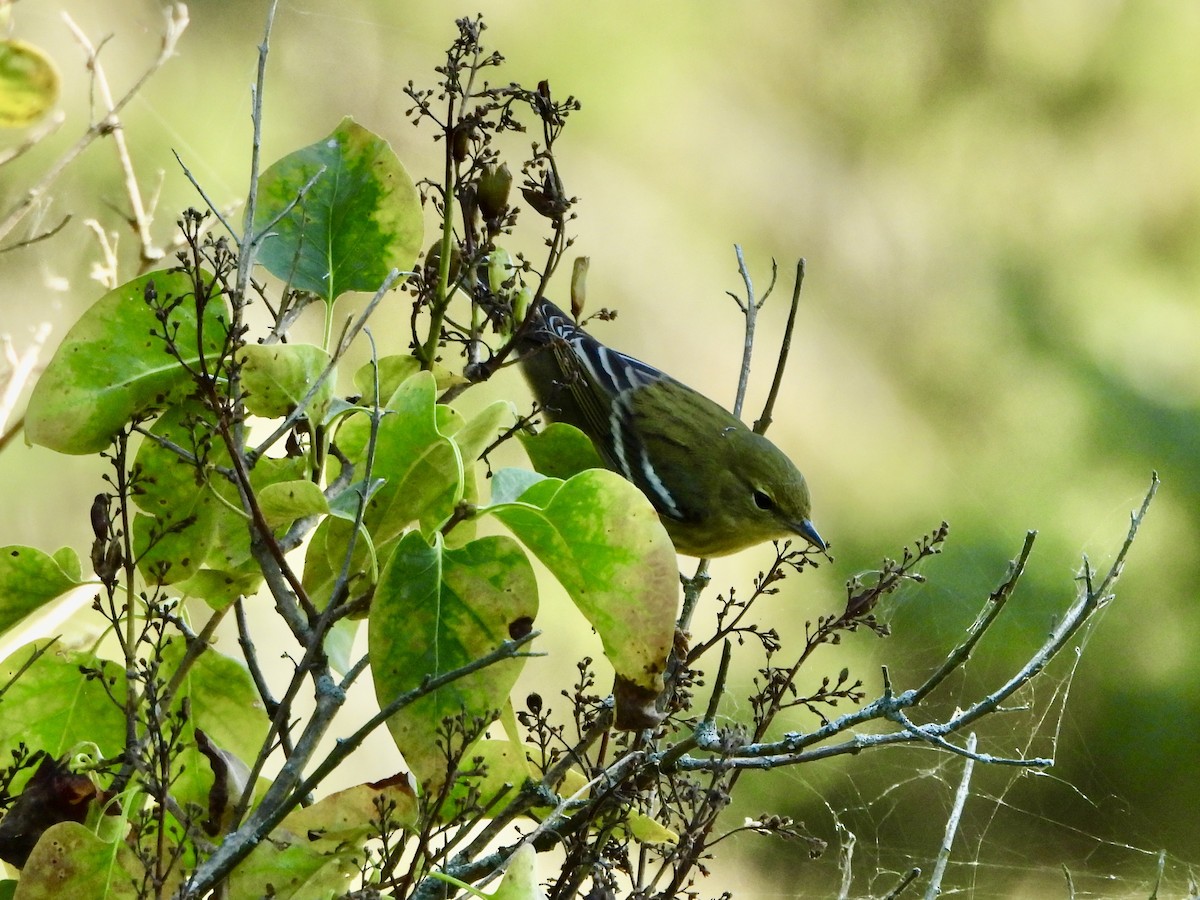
[{"x": 806, "y": 530}]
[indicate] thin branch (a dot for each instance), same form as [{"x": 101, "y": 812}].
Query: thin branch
[
  {"x": 38, "y": 653},
  {"x": 44, "y": 129},
  {"x": 692, "y": 589},
  {"x": 351, "y": 333},
  {"x": 909, "y": 877},
  {"x": 177, "y": 20},
  {"x": 764, "y": 421},
  {"x": 248, "y": 245},
  {"x": 1092, "y": 599},
  {"x": 250, "y": 654},
  {"x": 342, "y": 582},
  {"x": 468, "y": 863},
  {"x": 791, "y": 749},
  {"x": 140, "y": 219},
  {"x": 960, "y": 801},
  {"x": 39, "y": 237},
  {"x": 289, "y": 786},
  {"x": 473, "y": 870},
  {"x": 750, "y": 311},
  {"x": 510, "y": 649},
  {"x": 187, "y": 173},
  {"x": 992, "y": 608}
]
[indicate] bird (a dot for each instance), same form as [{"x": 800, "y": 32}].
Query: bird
[{"x": 717, "y": 486}]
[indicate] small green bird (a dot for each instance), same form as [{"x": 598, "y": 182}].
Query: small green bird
[{"x": 717, "y": 486}]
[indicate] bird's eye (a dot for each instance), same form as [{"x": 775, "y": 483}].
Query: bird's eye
[{"x": 763, "y": 500}]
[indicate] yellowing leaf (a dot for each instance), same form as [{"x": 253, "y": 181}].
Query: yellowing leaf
[
  {"x": 603, "y": 541},
  {"x": 28, "y": 84},
  {"x": 434, "y": 611},
  {"x": 354, "y": 814},
  {"x": 287, "y": 501},
  {"x": 71, "y": 861},
  {"x": 520, "y": 881},
  {"x": 278, "y": 377}
]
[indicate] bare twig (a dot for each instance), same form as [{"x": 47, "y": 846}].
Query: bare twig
[
  {"x": 106, "y": 271},
  {"x": 290, "y": 784},
  {"x": 909, "y": 877},
  {"x": 248, "y": 247},
  {"x": 764, "y": 421},
  {"x": 750, "y": 311},
  {"x": 177, "y": 21},
  {"x": 960, "y": 801},
  {"x": 220, "y": 216},
  {"x": 140, "y": 218},
  {"x": 43, "y": 130},
  {"x": 792, "y": 749},
  {"x": 250, "y": 654},
  {"x": 39, "y": 237},
  {"x": 991, "y": 610},
  {"x": 692, "y": 589}
]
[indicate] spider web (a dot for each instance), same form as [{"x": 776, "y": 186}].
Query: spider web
[{"x": 885, "y": 812}]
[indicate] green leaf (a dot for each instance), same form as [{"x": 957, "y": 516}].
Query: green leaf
[
  {"x": 648, "y": 830},
  {"x": 505, "y": 767},
  {"x": 359, "y": 220},
  {"x": 173, "y": 535},
  {"x": 393, "y": 372},
  {"x": 326, "y": 556},
  {"x": 113, "y": 364},
  {"x": 472, "y": 438},
  {"x": 53, "y": 707},
  {"x": 70, "y": 861},
  {"x": 295, "y": 868},
  {"x": 29, "y": 579},
  {"x": 421, "y": 466},
  {"x": 287, "y": 501},
  {"x": 345, "y": 505},
  {"x": 338, "y": 409},
  {"x": 68, "y": 561},
  {"x": 541, "y": 492},
  {"x": 230, "y": 549},
  {"x": 560, "y": 450},
  {"x": 339, "y": 643},
  {"x": 28, "y": 84},
  {"x": 211, "y": 559},
  {"x": 225, "y": 705},
  {"x": 481, "y": 429},
  {"x": 600, "y": 537},
  {"x": 520, "y": 881},
  {"x": 277, "y": 378},
  {"x": 509, "y": 484},
  {"x": 434, "y": 611},
  {"x": 352, "y": 815},
  {"x": 218, "y": 588}
]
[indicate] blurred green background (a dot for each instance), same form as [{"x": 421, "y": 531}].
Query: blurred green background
[{"x": 999, "y": 204}]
